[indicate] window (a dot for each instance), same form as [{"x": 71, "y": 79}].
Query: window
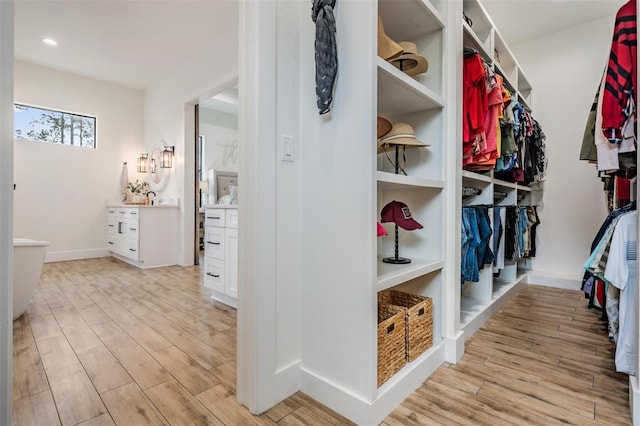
[{"x": 57, "y": 127}]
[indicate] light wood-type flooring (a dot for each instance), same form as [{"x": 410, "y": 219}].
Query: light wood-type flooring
[{"x": 105, "y": 343}]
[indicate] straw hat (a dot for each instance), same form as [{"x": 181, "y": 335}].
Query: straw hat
[
  {"x": 384, "y": 126},
  {"x": 410, "y": 62},
  {"x": 387, "y": 48},
  {"x": 400, "y": 134}
]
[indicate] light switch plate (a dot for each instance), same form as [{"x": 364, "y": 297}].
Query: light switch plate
[{"x": 288, "y": 148}]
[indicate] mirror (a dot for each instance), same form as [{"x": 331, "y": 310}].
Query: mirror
[
  {"x": 218, "y": 145},
  {"x": 158, "y": 176}
]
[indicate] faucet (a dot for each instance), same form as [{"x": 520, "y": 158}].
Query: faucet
[{"x": 151, "y": 199}]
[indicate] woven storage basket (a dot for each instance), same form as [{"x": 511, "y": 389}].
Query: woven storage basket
[
  {"x": 419, "y": 313},
  {"x": 391, "y": 341}
]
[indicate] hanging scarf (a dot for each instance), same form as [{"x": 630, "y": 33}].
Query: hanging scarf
[{"x": 326, "y": 52}]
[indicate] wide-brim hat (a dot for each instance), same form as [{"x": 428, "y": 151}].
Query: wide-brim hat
[
  {"x": 400, "y": 134},
  {"x": 384, "y": 126},
  {"x": 387, "y": 48},
  {"x": 409, "y": 61}
]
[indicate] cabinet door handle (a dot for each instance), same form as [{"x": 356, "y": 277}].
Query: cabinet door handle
[
  {"x": 110, "y": 242},
  {"x": 112, "y": 211},
  {"x": 133, "y": 213},
  {"x": 110, "y": 226},
  {"x": 132, "y": 229},
  {"x": 211, "y": 242},
  {"x": 120, "y": 227},
  {"x": 213, "y": 217},
  {"x": 132, "y": 250},
  {"x": 213, "y": 275}
]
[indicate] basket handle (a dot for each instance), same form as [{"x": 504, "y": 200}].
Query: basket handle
[
  {"x": 391, "y": 328},
  {"x": 421, "y": 312}
]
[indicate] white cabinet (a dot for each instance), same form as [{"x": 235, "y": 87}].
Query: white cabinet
[
  {"x": 146, "y": 237},
  {"x": 221, "y": 254}
]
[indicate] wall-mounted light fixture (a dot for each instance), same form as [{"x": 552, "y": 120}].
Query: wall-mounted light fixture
[
  {"x": 143, "y": 163},
  {"x": 166, "y": 159}
]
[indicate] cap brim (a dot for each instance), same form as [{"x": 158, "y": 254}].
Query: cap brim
[{"x": 409, "y": 224}]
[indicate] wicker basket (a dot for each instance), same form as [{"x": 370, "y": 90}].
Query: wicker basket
[
  {"x": 419, "y": 313},
  {"x": 391, "y": 341}
]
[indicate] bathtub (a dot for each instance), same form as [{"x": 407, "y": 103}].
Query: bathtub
[{"x": 28, "y": 258}]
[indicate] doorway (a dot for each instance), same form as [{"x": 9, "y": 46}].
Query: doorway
[{"x": 216, "y": 160}]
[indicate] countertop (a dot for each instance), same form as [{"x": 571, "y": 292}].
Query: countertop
[
  {"x": 144, "y": 206},
  {"x": 220, "y": 206}
]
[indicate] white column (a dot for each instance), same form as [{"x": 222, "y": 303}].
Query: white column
[{"x": 6, "y": 209}]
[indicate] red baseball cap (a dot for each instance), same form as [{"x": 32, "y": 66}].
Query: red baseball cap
[{"x": 398, "y": 213}]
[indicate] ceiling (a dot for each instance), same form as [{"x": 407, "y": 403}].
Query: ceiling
[
  {"x": 226, "y": 101},
  {"x": 135, "y": 43},
  {"x": 522, "y": 20}
]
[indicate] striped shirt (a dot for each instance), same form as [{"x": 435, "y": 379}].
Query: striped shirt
[{"x": 621, "y": 73}]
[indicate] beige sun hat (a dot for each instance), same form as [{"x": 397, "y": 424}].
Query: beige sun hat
[
  {"x": 400, "y": 134},
  {"x": 410, "y": 62},
  {"x": 387, "y": 48},
  {"x": 384, "y": 126}
]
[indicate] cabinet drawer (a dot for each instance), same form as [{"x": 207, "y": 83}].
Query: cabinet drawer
[
  {"x": 131, "y": 249},
  {"x": 214, "y": 217},
  {"x": 214, "y": 274},
  {"x": 232, "y": 218},
  {"x": 112, "y": 225},
  {"x": 214, "y": 242},
  {"x": 125, "y": 212}
]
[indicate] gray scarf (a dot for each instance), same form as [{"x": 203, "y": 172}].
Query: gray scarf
[{"x": 326, "y": 52}]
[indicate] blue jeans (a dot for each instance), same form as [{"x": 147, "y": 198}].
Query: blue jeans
[
  {"x": 485, "y": 255},
  {"x": 470, "y": 270}
]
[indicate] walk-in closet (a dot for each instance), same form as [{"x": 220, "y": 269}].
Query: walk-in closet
[{"x": 437, "y": 225}]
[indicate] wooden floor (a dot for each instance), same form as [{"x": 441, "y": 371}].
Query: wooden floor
[{"x": 104, "y": 343}]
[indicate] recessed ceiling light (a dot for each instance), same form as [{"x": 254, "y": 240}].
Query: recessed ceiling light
[{"x": 49, "y": 42}]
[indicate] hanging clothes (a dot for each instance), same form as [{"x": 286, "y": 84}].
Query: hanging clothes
[
  {"x": 621, "y": 272},
  {"x": 620, "y": 83}
]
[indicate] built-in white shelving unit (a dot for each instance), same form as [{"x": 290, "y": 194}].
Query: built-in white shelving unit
[
  {"x": 480, "y": 300},
  {"x": 418, "y": 101}
]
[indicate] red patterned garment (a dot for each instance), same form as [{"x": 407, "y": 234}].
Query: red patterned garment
[{"x": 620, "y": 84}]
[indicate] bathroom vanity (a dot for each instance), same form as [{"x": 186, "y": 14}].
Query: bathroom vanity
[
  {"x": 221, "y": 253},
  {"x": 144, "y": 236}
]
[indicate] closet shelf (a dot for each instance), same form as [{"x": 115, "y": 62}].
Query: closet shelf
[
  {"x": 408, "y": 20},
  {"x": 390, "y": 275},
  {"x": 400, "y": 94},
  {"x": 524, "y": 188},
  {"x": 476, "y": 176},
  {"x": 505, "y": 184},
  {"x": 507, "y": 80},
  {"x": 388, "y": 180},
  {"x": 524, "y": 102},
  {"x": 470, "y": 39}
]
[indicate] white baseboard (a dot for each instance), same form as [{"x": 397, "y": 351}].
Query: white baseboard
[
  {"x": 391, "y": 394},
  {"x": 286, "y": 383},
  {"x": 634, "y": 400},
  {"x": 63, "y": 256},
  {"x": 565, "y": 281},
  {"x": 454, "y": 348}
]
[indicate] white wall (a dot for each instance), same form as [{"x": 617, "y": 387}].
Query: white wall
[
  {"x": 62, "y": 191},
  {"x": 169, "y": 115},
  {"x": 220, "y": 131},
  {"x": 565, "y": 69}
]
